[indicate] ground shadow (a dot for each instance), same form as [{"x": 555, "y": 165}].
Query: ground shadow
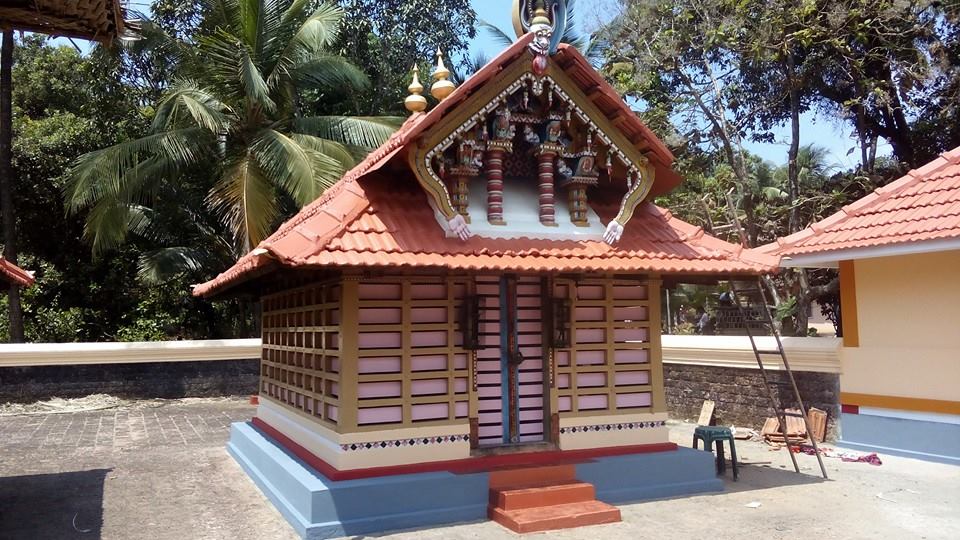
[{"x": 57, "y": 506}]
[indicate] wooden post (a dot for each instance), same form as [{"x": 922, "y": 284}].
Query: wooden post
[
  {"x": 656, "y": 352},
  {"x": 495, "y": 151},
  {"x": 545, "y": 157},
  {"x": 349, "y": 353}
]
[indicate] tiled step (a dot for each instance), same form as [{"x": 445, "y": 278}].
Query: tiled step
[
  {"x": 545, "y": 495},
  {"x": 532, "y": 476},
  {"x": 558, "y": 516}
]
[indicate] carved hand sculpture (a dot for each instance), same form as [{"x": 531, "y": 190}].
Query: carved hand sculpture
[
  {"x": 613, "y": 233},
  {"x": 459, "y": 227}
]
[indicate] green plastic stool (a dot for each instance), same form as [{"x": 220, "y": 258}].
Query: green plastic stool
[{"x": 711, "y": 435}]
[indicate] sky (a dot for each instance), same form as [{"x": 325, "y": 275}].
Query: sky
[{"x": 816, "y": 129}]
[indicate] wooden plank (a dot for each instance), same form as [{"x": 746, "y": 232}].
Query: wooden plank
[{"x": 706, "y": 413}]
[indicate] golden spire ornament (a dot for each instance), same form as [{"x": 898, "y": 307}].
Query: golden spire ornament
[
  {"x": 415, "y": 102},
  {"x": 441, "y": 86},
  {"x": 540, "y": 15}
]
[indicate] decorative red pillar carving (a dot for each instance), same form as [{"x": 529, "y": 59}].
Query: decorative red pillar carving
[
  {"x": 495, "y": 152},
  {"x": 547, "y": 153}
]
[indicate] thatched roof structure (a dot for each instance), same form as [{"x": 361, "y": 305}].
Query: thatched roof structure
[{"x": 98, "y": 20}]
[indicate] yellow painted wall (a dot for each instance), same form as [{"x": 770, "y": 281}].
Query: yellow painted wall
[{"x": 908, "y": 310}]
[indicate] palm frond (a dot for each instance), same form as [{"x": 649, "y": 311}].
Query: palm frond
[
  {"x": 246, "y": 200},
  {"x": 161, "y": 265},
  {"x": 333, "y": 149},
  {"x": 496, "y": 33},
  {"x": 287, "y": 164},
  {"x": 365, "y": 131},
  {"x": 186, "y": 99},
  {"x": 330, "y": 71},
  {"x": 254, "y": 85}
]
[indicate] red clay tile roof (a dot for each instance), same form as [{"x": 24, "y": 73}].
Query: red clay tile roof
[
  {"x": 364, "y": 221},
  {"x": 923, "y": 205},
  {"x": 12, "y": 273},
  {"x": 381, "y": 223}
]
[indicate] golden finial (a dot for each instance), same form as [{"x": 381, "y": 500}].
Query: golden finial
[
  {"x": 540, "y": 15},
  {"x": 441, "y": 86},
  {"x": 415, "y": 102}
]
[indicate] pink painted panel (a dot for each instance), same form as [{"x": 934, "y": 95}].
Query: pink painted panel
[
  {"x": 531, "y": 438},
  {"x": 461, "y": 409},
  {"x": 490, "y": 303},
  {"x": 591, "y": 380},
  {"x": 334, "y": 388},
  {"x": 334, "y": 365},
  {"x": 586, "y": 403},
  {"x": 457, "y": 339},
  {"x": 489, "y": 417},
  {"x": 380, "y": 415},
  {"x": 530, "y": 376},
  {"x": 591, "y": 335},
  {"x": 535, "y": 390},
  {"x": 333, "y": 412},
  {"x": 489, "y": 327},
  {"x": 488, "y": 378},
  {"x": 528, "y": 314},
  {"x": 460, "y": 385},
  {"x": 533, "y": 428},
  {"x": 428, "y": 315},
  {"x": 528, "y": 301},
  {"x": 433, "y": 362},
  {"x": 630, "y": 313},
  {"x": 379, "y": 291},
  {"x": 384, "y": 389},
  {"x": 380, "y": 316},
  {"x": 563, "y": 380},
  {"x": 429, "y": 411},
  {"x": 627, "y": 378},
  {"x": 459, "y": 290},
  {"x": 590, "y": 358},
  {"x": 333, "y": 341},
  {"x": 536, "y": 414},
  {"x": 488, "y": 365},
  {"x": 639, "y": 399},
  {"x": 631, "y": 335},
  {"x": 562, "y": 358},
  {"x": 528, "y": 289},
  {"x": 589, "y": 314},
  {"x": 529, "y": 339},
  {"x": 488, "y": 288},
  {"x": 490, "y": 340},
  {"x": 490, "y": 431},
  {"x": 489, "y": 352},
  {"x": 428, "y": 339},
  {"x": 380, "y": 340},
  {"x": 590, "y": 292},
  {"x": 631, "y": 356},
  {"x": 334, "y": 316},
  {"x": 459, "y": 361},
  {"x": 532, "y": 401},
  {"x": 529, "y": 326},
  {"x": 627, "y": 292},
  {"x": 530, "y": 362},
  {"x": 385, "y": 364},
  {"x": 428, "y": 387},
  {"x": 428, "y": 291},
  {"x": 564, "y": 403},
  {"x": 488, "y": 391}
]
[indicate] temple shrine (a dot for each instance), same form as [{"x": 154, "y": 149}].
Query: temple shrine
[{"x": 467, "y": 324}]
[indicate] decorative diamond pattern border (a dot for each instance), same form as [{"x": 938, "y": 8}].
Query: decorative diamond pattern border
[
  {"x": 398, "y": 443},
  {"x": 614, "y": 427}
]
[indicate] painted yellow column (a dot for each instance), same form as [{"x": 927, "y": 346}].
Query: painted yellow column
[{"x": 848, "y": 304}]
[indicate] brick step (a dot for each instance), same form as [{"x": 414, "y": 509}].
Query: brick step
[
  {"x": 550, "y": 494},
  {"x": 558, "y": 516},
  {"x": 532, "y": 476}
]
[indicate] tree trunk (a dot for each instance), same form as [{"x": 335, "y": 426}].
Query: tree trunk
[{"x": 7, "y": 182}]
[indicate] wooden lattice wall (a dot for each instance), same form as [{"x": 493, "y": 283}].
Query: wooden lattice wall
[
  {"x": 613, "y": 365},
  {"x": 300, "y": 363}
]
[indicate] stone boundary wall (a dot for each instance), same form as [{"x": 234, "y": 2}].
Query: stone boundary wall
[
  {"x": 723, "y": 369},
  {"x": 168, "y": 369},
  {"x": 141, "y": 380}
]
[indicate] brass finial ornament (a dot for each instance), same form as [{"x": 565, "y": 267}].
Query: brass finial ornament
[
  {"x": 415, "y": 102},
  {"x": 442, "y": 87},
  {"x": 540, "y": 15}
]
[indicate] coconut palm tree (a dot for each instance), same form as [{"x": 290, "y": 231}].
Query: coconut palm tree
[{"x": 234, "y": 111}]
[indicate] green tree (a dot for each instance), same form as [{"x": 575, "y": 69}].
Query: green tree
[{"x": 236, "y": 106}]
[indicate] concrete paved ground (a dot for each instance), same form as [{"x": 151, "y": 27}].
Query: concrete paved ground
[{"x": 158, "y": 470}]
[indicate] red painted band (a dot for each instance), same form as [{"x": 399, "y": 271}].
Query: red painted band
[
  {"x": 850, "y": 409},
  {"x": 458, "y": 466}
]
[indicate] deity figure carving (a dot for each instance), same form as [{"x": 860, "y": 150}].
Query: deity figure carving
[
  {"x": 529, "y": 135},
  {"x": 587, "y": 166},
  {"x": 503, "y": 128},
  {"x": 554, "y": 131}
]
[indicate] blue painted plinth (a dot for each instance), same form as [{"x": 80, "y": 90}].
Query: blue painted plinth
[
  {"x": 636, "y": 477},
  {"x": 317, "y": 507},
  {"x": 931, "y": 441}
]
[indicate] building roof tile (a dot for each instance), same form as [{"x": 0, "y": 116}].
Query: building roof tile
[
  {"x": 922, "y": 205},
  {"x": 12, "y": 273}
]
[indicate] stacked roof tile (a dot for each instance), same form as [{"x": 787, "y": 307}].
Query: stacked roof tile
[{"x": 12, "y": 273}]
